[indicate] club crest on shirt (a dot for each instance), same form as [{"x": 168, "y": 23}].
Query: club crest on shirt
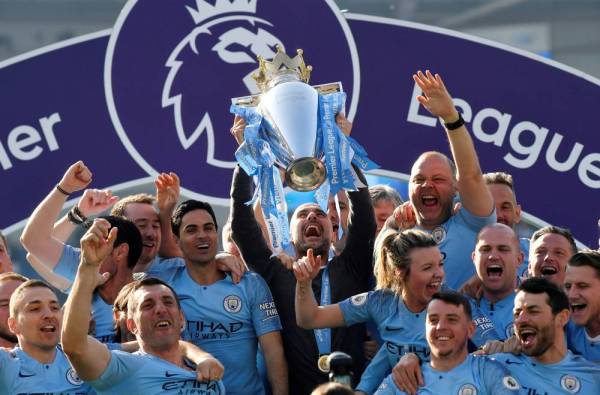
[
  {"x": 511, "y": 383},
  {"x": 359, "y": 300},
  {"x": 467, "y": 389},
  {"x": 73, "y": 378},
  {"x": 232, "y": 304},
  {"x": 570, "y": 383},
  {"x": 439, "y": 234}
]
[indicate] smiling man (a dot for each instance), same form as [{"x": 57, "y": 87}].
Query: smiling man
[
  {"x": 37, "y": 365},
  {"x": 435, "y": 181},
  {"x": 545, "y": 365},
  {"x": 451, "y": 369},
  {"x": 550, "y": 249},
  {"x": 582, "y": 285},
  {"x": 154, "y": 317},
  {"x": 223, "y": 318},
  {"x": 496, "y": 257}
]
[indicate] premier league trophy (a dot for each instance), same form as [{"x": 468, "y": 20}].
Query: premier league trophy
[{"x": 291, "y": 126}]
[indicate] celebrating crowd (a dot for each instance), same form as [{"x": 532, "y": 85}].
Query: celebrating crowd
[{"x": 436, "y": 295}]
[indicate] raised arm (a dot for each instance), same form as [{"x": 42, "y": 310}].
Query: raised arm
[
  {"x": 88, "y": 356},
  {"x": 245, "y": 230},
  {"x": 361, "y": 231},
  {"x": 474, "y": 194},
  {"x": 167, "y": 194},
  {"x": 309, "y": 314},
  {"x": 93, "y": 202},
  {"x": 37, "y": 236}
]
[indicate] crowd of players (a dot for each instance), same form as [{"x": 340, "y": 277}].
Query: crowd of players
[{"x": 437, "y": 295}]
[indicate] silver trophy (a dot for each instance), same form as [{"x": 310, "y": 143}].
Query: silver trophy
[{"x": 289, "y": 105}]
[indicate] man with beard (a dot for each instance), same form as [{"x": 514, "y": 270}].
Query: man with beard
[
  {"x": 496, "y": 258},
  {"x": 550, "y": 249},
  {"x": 508, "y": 211},
  {"x": 435, "y": 181},
  {"x": 348, "y": 274},
  {"x": 582, "y": 285},
  {"x": 37, "y": 365},
  {"x": 154, "y": 317},
  {"x": 8, "y": 283},
  {"x": 451, "y": 369},
  {"x": 223, "y": 318},
  {"x": 546, "y": 365}
]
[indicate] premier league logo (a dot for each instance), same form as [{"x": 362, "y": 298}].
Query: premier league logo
[{"x": 171, "y": 67}]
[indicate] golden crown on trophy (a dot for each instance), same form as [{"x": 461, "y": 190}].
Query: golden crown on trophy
[{"x": 280, "y": 65}]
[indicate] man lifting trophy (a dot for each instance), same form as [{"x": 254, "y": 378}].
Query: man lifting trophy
[{"x": 291, "y": 126}]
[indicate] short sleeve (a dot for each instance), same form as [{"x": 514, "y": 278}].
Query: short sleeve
[
  {"x": 68, "y": 263},
  {"x": 375, "y": 373},
  {"x": 265, "y": 316},
  {"x": 387, "y": 387},
  {"x": 496, "y": 378},
  {"x": 121, "y": 366},
  {"x": 473, "y": 221},
  {"x": 357, "y": 309}
]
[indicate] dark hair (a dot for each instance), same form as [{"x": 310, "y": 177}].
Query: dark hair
[
  {"x": 186, "y": 207},
  {"x": 557, "y": 299},
  {"x": 129, "y": 234},
  {"x": 5, "y": 242},
  {"x": 566, "y": 233},
  {"x": 147, "y": 282},
  {"x": 589, "y": 258},
  {"x": 454, "y": 298}
]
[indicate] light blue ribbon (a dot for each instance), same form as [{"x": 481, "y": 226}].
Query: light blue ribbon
[
  {"x": 255, "y": 155},
  {"x": 323, "y": 336}
]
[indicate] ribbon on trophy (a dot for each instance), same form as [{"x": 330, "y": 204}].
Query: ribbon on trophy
[
  {"x": 256, "y": 156},
  {"x": 291, "y": 126}
]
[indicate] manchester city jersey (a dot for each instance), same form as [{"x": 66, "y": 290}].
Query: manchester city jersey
[
  {"x": 572, "y": 375},
  {"x": 144, "y": 374},
  {"x": 401, "y": 330},
  {"x": 582, "y": 344},
  {"x": 226, "y": 320},
  {"x": 523, "y": 268},
  {"x": 475, "y": 376},
  {"x": 456, "y": 239},
  {"x": 493, "y": 321},
  {"x": 22, "y": 375}
]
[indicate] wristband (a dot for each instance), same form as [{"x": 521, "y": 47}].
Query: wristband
[
  {"x": 456, "y": 124},
  {"x": 76, "y": 217},
  {"x": 59, "y": 189}
]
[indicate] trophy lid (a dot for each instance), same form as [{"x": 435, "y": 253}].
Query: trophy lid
[{"x": 280, "y": 69}]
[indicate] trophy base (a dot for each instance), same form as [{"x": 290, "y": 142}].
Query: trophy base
[{"x": 305, "y": 174}]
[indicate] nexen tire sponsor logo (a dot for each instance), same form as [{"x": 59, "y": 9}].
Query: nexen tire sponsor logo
[{"x": 499, "y": 127}]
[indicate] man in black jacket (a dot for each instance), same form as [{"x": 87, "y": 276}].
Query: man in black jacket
[{"x": 349, "y": 274}]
